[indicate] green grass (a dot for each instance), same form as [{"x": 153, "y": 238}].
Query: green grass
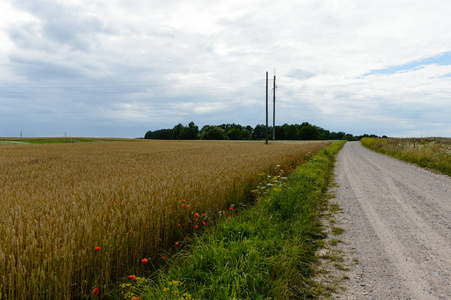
[
  {"x": 265, "y": 252},
  {"x": 57, "y": 141},
  {"x": 12, "y": 143},
  {"x": 337, "y": 230},
  {"x": 25, "y": 141},
  {"x": 430, "y": 153}
]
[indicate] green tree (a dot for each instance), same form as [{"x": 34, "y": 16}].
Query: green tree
[
  {"x": 280, "y": 132},
  {"x": 189, "y": 133},
  {"x": 234, "y": 134},
  {"x": 245, "y": 134},
  {"x": 309, "y": 132},
  {"x": 213, "y": 133},
  {"x": 324, "y": 134},
  {"x": 259, "y": 132},
  {"x": 250, "y": 129},
  {"x": 228, "y": 127},
  {"x": 292, "y": 132},
  {"x": 176, "y": 132},
  {"x": 350, "y": 137},
  {"x": 340, "y": 135},
  {"x": 161, "y": 134}
]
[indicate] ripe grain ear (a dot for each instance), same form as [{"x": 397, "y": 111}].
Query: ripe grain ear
[{"x": 61, "y": 201}]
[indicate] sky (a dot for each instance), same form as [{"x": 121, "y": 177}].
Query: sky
[{"x": 120, "y": 68}]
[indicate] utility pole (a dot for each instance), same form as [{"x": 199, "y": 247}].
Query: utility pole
[
  {"x": 274, "y": 109},
  {"x": 266, "y": 107}
]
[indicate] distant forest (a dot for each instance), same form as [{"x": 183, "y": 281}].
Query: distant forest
[{"x": 304, "y": 131}]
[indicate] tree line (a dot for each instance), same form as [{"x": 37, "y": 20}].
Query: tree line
[{"x": 304, "y": 131}]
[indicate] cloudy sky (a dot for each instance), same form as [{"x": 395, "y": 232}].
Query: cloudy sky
[{"x": 118, "y": 68}]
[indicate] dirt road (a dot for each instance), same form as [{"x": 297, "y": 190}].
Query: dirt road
[{"x": 397, "y": 222}]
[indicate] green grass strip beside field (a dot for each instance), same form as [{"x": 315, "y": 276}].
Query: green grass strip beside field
[
  {"x": 24, "y": 141},
  {"x": 265, "y": 252}
]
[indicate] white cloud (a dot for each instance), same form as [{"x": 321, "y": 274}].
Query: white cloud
[{"x": 155, "y": 63}]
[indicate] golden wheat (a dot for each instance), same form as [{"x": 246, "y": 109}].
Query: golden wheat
[{"x": 74, "y": 217}]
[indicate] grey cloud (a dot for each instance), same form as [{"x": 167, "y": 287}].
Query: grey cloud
[
  {"x": 174, "y": 61},
  {"x": 25, "y": 35},
  {"x": 63, "y": 24},
  {"x": 299, "y": 74},
  {"x": 43, "y": 70}
]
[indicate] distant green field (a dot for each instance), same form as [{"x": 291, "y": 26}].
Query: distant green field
[
  {"x": 25, "y": 141},
  {"x": 12, "y": 143}
]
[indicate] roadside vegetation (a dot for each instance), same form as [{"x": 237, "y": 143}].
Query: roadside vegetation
[
  {"x": 264, "y": 252},
  {"x": 76, "y": 218},
  {"x": 432, "y": 153}
]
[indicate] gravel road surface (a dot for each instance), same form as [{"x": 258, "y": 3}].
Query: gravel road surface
[{"x": 397, "y": 222}]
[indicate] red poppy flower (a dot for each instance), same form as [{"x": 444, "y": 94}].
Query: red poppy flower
[
  {"x": 164, "y": 256},
  {"x": 196, "y": 215},
  {"x": 131, "y": 231},
  {"x": 97, "y": 248},
  {"x": 95, "y": 291},
  {"x": 203, "y": 223},
  {"x": 145, "y": 261},
  {"x": 177, "y": 243},
  {"x": 231, "y": 208},
  {"x": 132, "y": 277},
  {"x": 179, "y": 225},
  {"x": 184, "y": 201},
  {"x": 183, "y": 205},
  {"x": 197, "y": 226}
]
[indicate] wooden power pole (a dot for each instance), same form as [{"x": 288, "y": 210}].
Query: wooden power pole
[
  {"x": 266, "y": 107},
  {"x": 274, "y": 109}
]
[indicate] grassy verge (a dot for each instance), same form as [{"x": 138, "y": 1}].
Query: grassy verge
[
  {"x": 431, "y": 153},
  {"x": 265, "y": 252}
]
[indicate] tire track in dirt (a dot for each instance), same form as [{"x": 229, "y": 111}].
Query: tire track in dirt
[{"x": 397, "y": 222}]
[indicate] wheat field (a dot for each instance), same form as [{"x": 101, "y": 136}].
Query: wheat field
[{"x": 77, "y": 217}]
